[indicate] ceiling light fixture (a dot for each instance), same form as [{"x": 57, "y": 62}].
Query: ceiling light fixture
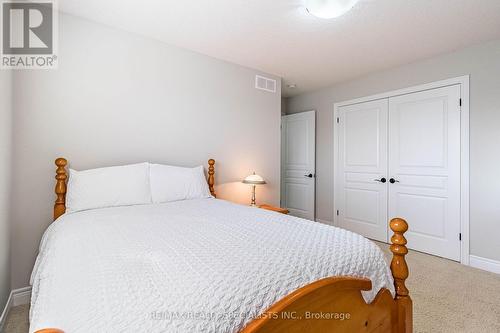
[{"x": 328, "y": 9}]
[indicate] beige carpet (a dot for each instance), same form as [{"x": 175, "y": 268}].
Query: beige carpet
[
  {"x": 450, "y": 297},
  {"x": 17, "y": 320},
  {"x": 447, "y": 297}
]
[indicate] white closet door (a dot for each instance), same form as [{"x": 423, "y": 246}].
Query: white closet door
[
  {"x": 362, "y": 192},
  {"x": 424, "y": 168}
]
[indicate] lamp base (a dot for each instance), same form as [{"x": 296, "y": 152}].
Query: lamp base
[{"x": 253, "y": 197}]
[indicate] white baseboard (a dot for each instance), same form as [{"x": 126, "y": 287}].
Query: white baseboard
[
  {"x": 486, "y": 264},
  {"x": 17, "y": 297},
  {"x": 324, "y": 221},
  {"x": 21, "y": 296}
]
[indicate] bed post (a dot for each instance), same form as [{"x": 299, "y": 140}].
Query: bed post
[
  {"x": 399, "y": 269},
  {"x": 211, "y": 178},
  {"x": 61, "y": 176}
]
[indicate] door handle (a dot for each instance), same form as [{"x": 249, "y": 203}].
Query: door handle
[
  {"x": 309, "y": 175},
  {"x": 381, "y": 180},
  {"x": 392, "y": 181}
]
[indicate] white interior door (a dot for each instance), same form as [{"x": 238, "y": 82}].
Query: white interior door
[
  {"x": 362, "y": 160},
  {"x": 424, "y": 168},
  {"x": 298, "y": 161}
]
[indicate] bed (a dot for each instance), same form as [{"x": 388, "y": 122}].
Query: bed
[{"x": 207, "y": 265}]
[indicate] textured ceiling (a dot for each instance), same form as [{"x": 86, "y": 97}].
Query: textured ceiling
[{"x": 280, "y": 37}]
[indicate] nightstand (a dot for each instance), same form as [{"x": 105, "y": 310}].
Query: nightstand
[{"x": 274, "y": 209}]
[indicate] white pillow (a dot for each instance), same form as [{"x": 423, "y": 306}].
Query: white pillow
[
  {"x": 108, "y": 187},
  {"x": 171, "y": 183}
]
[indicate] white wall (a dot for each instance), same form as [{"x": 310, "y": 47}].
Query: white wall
[
  {"x": 5, "y": 166},
  {"x": 482, "y": 62},
  {"x": 121, "y": 98}
]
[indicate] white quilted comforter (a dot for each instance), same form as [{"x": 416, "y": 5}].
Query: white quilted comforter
[{"x": 190, "y": 266}]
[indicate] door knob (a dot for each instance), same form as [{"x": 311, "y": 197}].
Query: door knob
[
  {"x": 382, "y": 180},
  {"x": 392, "y": 181},
  {"x": 309, "y": 175}
]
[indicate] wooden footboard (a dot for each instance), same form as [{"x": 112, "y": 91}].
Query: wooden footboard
[{"x": 335, "y": 304}]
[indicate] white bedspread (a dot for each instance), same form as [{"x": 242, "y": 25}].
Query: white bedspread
[{"x": 190, "y": 266}]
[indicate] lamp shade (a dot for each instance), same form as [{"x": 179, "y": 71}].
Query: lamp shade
[
  {"x": 254, "y": 180},
  {"x": 329, "y": 8}
]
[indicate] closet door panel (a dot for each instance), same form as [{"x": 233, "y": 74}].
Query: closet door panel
[
  {"x": 424, "y": 162},
  {"x": 361, "y": 195}
]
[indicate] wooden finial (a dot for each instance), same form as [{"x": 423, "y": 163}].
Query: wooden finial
[
  {"x": 399, "y": 267},
  {"x": 61, "y": 176},
  {"x": 211, "y": 178}
]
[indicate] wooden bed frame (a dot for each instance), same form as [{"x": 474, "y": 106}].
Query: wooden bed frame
[{"x": 333, "y": 304}]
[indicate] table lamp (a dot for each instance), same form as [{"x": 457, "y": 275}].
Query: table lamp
[{"x": 253, "y": 180}]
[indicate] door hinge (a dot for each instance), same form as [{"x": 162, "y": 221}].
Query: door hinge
[
  {"x": 337, "y": 212},
  {"x": 460, "y": 236},
  {"x": 338, "y": 120},
  {"x": 460, "y": 102}
]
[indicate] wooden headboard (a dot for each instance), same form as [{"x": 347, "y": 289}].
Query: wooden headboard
[{"x": 62, "y": 176}]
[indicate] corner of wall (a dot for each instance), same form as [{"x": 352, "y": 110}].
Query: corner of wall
[{"x": 6, "y": 149}]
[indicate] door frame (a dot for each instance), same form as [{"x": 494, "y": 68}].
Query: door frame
[
  {"x": 463, "y": 81},
  {"x": 282, "y": 171}
]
